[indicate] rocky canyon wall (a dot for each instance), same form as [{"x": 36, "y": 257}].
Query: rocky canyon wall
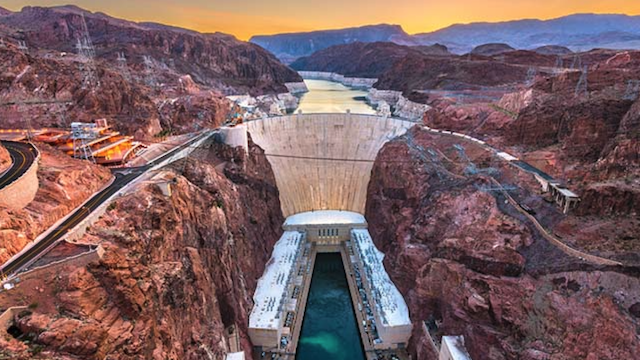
[
  {"x": 176, "y": 273},
  {"x": 466, "y": 261}
]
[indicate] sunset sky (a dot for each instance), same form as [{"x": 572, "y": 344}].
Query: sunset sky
[{"x": 244, "y": 18}]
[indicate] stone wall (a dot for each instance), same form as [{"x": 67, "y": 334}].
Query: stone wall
[
  {"x": 21, "y": 192},
  {"x": 323, "y": 161}
]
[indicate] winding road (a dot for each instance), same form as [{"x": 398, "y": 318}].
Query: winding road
[
  {"x": 122, "y": 178},
  {"x": 22, "y": 155}
]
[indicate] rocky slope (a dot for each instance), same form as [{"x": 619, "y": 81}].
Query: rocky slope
[
  {"x": 64, "y": 184},
  {"x": 491, "y": 49},
  {"x": 468, "y": 262},
  {"x": 365, "y": 60},
  {"x": 215, "y": 60},
  {"x": 176, "y": 273},
  {"x": 419, "y": 72}
]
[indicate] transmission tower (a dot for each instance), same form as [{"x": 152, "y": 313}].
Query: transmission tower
[
  {"x": 22, "y": 46},
  {"x": 81, "y": 135},
  {"x": 531, "y": 76},
  {"x": 122, "y": 65},
  {"x": 582, "y": 86},
  {"x": 577, "y": 62},
  {"x": 559, "y": 66},
  {"x": 87, "y": 53},
  {"x": 148, "y": 63},
  {"x": 633, "y": 90}
]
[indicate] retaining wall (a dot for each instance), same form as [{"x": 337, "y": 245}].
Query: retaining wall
[{"x": 21, "y": 192}]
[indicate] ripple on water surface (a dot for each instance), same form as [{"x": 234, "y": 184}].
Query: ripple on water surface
[{"x": 329, "y": 330}]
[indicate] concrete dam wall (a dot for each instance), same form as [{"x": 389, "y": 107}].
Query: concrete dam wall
[{"x": 324, "y": 161}]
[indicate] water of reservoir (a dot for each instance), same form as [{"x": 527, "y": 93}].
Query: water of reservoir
[
  {"x": 329, "y": 329},
  {"x": 328, "y": 96}
]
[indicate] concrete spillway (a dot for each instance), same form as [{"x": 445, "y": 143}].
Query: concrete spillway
[{"x": 324, "y": 161}]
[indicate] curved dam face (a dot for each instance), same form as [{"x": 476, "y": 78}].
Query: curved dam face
[{"x": 324, "y": 161}]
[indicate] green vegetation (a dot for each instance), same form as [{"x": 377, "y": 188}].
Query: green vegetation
[
  {"x": 504, "y": 111},
  {"x": 163, "y": 133}
]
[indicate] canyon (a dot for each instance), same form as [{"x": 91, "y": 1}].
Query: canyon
[{"x": 434, "y": 207}]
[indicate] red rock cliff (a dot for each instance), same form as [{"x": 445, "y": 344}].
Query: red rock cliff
[
  {"x": 177, "y": 270},
  {"x": 461, "y": 257}
]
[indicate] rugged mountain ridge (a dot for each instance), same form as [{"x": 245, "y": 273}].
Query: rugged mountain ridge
[
  {"x": 578, "y": 32},
  {"x": 359, "y": 59},
  {"x": 288, "y": 47},
  {"x": 215, "y": 60}
]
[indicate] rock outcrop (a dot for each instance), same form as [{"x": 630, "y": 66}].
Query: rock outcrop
[
  {"x": 176, "y": 273},
  {"x": 360, "y": 60},
  {"x": 491, "y": 49},
  {"x": 465, "y": 261},
  {"x": 216, "y": 60},
  {"x": 421, "y": 72},
  {"x": 64, "y": 184}
]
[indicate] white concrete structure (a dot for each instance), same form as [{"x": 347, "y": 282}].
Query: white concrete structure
[
  {"x": 326, "y": 227},
  {"x": 324, "y": 161},
  {"x": 507, "y": 156},
  {"x": 390, "y": 312},
  {"x": 235, "y": 136},
  {"x": 235, "y": 356},
  {"x": 271, "y": 299},
  {"x": 453, "y": 348}
]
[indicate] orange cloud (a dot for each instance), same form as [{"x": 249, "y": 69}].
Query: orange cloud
[{"x": 245, "y": 18}]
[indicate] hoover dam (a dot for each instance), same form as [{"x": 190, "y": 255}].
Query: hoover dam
[{"x": 322, "y": 165}]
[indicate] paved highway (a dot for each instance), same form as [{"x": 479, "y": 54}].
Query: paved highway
[
  {"x": 122, "y": 178},
  {"x": 23, "y": 155}
]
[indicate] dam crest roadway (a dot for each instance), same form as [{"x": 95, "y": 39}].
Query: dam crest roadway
[{"x": 322, "y": 165}]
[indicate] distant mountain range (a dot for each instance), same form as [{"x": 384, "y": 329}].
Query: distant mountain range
[
  {"x": 288, "y": 47},
  {"x": 579, "y": 32}
]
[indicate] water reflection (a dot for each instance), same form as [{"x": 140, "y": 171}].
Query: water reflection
[{"x": 328, "y": 96}]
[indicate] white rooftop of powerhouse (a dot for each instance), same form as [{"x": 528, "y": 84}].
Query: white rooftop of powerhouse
[
  {"x": 391, "y": 305},
  {"x": 322, "y": 217},
  {"x": 272, "y": 285}
]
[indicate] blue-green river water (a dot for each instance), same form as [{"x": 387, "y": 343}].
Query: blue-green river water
[{"x": 329, "y": 330}]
